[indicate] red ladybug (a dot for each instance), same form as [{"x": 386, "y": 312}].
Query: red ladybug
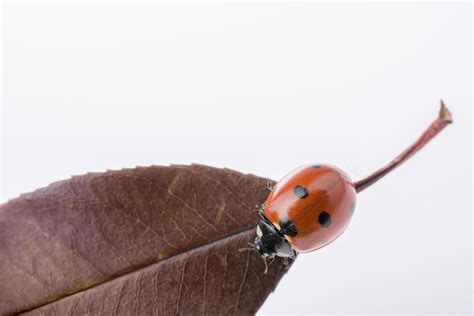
[
  {"x": 308, "y": 209},
  {"x": 312, "y": 205}
]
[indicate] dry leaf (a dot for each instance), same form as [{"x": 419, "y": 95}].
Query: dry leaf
[{"x": 154, "y": 240}]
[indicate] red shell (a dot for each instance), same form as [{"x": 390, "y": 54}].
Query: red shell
[{"x": 305, "y": 197}]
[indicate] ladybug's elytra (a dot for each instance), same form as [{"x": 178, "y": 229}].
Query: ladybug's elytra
[{"x": 306, "y": 210}]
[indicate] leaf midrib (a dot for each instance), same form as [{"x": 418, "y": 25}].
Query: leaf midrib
[{"x": 138, "y": 269}]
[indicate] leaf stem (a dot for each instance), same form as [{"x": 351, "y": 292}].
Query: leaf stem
[{"x": 437, "y": 126}]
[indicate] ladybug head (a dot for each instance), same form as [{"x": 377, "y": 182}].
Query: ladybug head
[{"x": 270, "y": 242}]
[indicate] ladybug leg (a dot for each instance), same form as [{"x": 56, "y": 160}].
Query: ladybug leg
[
  {"x": 269, "y": 186},
  {"x": 268, "y": 261},
  {"x": 261, "y": 215},
  {"x": 259, "y": 208}
]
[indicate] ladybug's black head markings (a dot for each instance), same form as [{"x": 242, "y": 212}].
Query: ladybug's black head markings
[{"x": 271, "y": 242}]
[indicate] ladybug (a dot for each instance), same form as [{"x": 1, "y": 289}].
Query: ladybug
[
  {"x": 313, "y": 205},
  {"x": 306, "y": 210}
]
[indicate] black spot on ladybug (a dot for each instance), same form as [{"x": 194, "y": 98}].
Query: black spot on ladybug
[
  {"x": 353, "y": 206},
  {"x": 316, "y": 166},
  {"x": 288, "y": 228},
  {"x": 300, "y": 191},
  {"x": 324, "y": 219}
]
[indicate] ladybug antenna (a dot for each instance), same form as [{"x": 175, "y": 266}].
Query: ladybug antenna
[
  {"x": 444, "y": 118},
  {"x": 252, "y": 247}
]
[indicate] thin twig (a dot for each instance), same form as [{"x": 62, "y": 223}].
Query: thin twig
[{"x": 437, "y": 126}]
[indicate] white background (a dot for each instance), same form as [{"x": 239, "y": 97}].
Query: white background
[{"x": 264, "y": 88}]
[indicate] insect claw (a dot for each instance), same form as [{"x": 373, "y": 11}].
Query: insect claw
[
  {"x": 259, "y": 208},
  {"x": 268, "y": 261},
  {"x": 269, "y": 185},
  {"x": 266, "y": 266}
]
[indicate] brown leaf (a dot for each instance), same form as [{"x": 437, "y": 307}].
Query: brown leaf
[{"x": 155, "y": 240}]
